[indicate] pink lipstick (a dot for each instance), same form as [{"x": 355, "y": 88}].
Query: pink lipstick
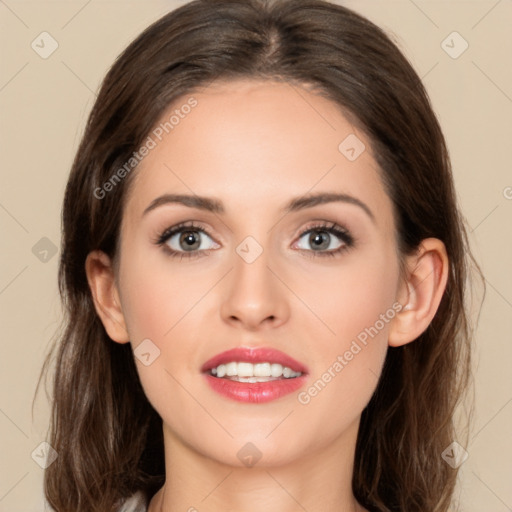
[{"x": 254, "y": 375}]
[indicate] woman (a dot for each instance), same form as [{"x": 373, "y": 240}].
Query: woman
[{"x": 263, "y": 268}]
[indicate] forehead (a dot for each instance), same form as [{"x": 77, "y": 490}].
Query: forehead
[{"x": 254, "y": 144}]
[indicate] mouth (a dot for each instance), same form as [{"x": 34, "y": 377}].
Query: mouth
[{"x": 254, "y": 374}]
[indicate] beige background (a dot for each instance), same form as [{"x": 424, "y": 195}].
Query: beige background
[{"x": 44, "y": 105}]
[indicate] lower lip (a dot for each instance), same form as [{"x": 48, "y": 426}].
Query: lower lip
[{"x": 255, "y": 392}]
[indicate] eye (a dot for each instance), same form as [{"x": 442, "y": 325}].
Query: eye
[
  {"x": 185, "y": 240},
  {"x": 327, "y": 239}
]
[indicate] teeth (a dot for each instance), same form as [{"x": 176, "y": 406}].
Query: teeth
[
  {"x": 276, "y": 370},
  {"x": 259, "y": 372},
  {"x": 262, "y": 370},
  {"x": 231, "y": 369}
]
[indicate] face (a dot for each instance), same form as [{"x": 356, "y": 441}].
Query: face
[{"x": 317, "y": 281}]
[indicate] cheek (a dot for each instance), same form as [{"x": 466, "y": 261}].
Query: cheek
[
  {"x": 166, "y": 305},
  {"x": 158, "y": 294},
  {"x": 355, "y": 303},
  {"x": 351, "y": 296},
  {"x": 158, "y": 306}
]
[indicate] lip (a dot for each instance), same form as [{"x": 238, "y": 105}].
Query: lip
[
  {"x": 254, "y": 355},
  {"x": 255, "y": 392}
]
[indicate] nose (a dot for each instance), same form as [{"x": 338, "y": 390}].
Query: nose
[{"x": 254, "y": 296}]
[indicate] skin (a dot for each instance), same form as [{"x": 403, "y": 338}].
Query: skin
[{"x": 254, "y": 146}]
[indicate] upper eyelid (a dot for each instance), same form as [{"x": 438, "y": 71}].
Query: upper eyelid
[{"x": 179, "y": 228}]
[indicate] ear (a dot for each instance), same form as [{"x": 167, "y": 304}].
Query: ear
[
  {"x": 421, "y": 291},
  {"x": 101, "y": 279}
]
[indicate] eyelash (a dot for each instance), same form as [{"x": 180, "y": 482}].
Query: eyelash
[{"x": 331, "y": 228}]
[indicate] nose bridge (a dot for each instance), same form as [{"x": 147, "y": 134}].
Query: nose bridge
[
  {"x": 251, "y": 279},
  {"x": 251, "y": 264},
  {"x": 254, "y": 294}
]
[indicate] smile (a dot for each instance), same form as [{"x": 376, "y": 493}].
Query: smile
[
  {"x": 254, "y": 375},
  {"x": 248, "y": 372}
]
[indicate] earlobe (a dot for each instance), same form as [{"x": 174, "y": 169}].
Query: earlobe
[
  {"x": 101, "y": 279},
  {"x": 421, "y": 292}
]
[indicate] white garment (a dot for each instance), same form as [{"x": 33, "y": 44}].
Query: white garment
[{"x": 135, "y": 503}]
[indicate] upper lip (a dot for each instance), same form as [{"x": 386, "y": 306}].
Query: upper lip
[{"x": 254, "y": 355}]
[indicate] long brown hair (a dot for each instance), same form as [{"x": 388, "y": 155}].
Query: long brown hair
[{"x": 107, "y": 435}]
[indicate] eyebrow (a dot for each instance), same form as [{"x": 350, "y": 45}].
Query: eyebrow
[{"x": 299, "y": 203}]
